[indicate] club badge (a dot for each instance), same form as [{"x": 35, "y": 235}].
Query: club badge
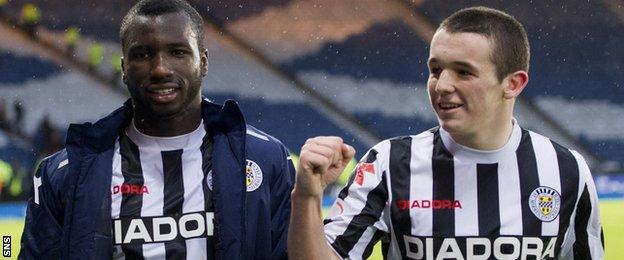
[
  {"x": 253, "y": 175},
  {"x": 545, "y": 203}
]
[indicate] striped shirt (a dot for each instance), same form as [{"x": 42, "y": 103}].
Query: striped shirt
[
  {"x": 161, "y": 200},
  {"x": 427, "y": 197}
]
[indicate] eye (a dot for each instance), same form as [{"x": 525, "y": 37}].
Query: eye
[
  {"x": 435, "y": 71},
  {"x": 464, "y": 73},
  {"x": 140, "y": 55},
  {"x": 178, "y": 52}
]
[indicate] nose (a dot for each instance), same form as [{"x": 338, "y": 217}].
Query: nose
[
  {"x": 445, "y": 83},
  {"x": 160, "y": 68}
]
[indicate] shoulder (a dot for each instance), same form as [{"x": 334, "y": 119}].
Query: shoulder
[
  {"x": 406, "y": 141},
  {"x": 53, "y": 170},
  {"x": 258, "y": 140},
  {"x": 264, "y": 149},
  {"x": 567, "y": 160}
]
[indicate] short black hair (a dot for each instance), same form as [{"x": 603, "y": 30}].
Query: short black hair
[
  {"x": 159, "y": 7},
  {"x": 511, "y": 50}
]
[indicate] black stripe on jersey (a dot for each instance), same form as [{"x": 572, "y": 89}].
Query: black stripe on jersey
[
  {"x": 529, "y": 181},
  {"x": 370, "y": 158},
  {"x": 369, "y": 248},
  {"x": 569, "y": 176},
  {"x": 583, "y": 211},
  {"x": 206, "y": 150},
  {"x": 173, "y": 198},
  {"x": 371, "y": 213},
  {"x": 443, "y": 189},
  {"x": 400, "y": 157},
  {"x": 131, "y": 203},
  {"x": 487, "y": 197}
]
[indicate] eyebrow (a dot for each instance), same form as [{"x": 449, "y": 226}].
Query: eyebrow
[
  {"x": 178, "y": 44},
  {"x": 463, "y": 64}
]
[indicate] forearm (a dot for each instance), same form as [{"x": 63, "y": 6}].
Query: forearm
[{"x": 306, "y": 238}]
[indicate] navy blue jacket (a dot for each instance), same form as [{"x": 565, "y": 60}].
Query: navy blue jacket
[{"x": 69, "y": 214}]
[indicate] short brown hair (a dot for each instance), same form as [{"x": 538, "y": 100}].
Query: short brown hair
[{"x": 511, "y": 46}]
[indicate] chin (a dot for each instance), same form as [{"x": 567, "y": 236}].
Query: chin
[{"x": 451, "y": 125}]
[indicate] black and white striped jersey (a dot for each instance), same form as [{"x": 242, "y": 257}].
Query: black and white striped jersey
[
  {"x": 427, "y": 197},
  {"x": 161, "y": 200}
]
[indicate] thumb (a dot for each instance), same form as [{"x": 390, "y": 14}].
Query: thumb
[{"x": 348, "y": 152}]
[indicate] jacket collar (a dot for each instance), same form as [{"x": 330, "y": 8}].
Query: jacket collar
[{"x": 101, "y": 135}]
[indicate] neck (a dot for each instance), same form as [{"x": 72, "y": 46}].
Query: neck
[
  {"x": 166, "y": 127},
  {"x": 488, "y": 138}
]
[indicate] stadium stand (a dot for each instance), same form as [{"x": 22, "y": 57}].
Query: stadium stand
[{"x": 18, "y": 70}]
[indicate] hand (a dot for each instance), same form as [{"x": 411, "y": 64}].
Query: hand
[{"x": 321, "y": 161}]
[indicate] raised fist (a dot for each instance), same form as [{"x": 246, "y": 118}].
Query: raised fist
[{"x": 321, "y": 161}]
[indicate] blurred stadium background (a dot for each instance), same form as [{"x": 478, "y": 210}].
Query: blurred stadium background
[{"x": 353, "y": 68}]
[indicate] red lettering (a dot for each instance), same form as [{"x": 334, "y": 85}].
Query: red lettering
[
  {"x": 402, "y": 204},
  {"x": 130, "y": 189},
  {"x": 425, "y": 204}
]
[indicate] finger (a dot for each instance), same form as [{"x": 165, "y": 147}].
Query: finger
[
  {"x": 312, "y": 162},
  {"x": 348, "y": 152},
  {"x": 333, "y": 142},
  {"x": 332, "y": 146}
]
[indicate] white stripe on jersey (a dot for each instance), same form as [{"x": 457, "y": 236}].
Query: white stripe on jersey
[
  {"x": 594, "y": 228},
  {"x": 509, "y": 200},
  {"x": 153, "y": 203},
  {"x": 548, "y": 170},
  {"x": 468, "y": 215},
  {"x": 192, "y": 176},
  {"x": 421, "y": 183},
  {"x": 117, "y": 180}
]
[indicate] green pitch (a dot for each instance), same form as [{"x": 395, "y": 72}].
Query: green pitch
[
  {"x": 13, "y": 228},
  {"x": 612, "y": 215}
]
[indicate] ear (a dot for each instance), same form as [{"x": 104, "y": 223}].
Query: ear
[
  {"x": 515, "y": 84},
  {"x": 204, "y": 62},
  {"x": 123, "y": 72}
]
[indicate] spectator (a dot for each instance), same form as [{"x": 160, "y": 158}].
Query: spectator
[
  {"x": 95, "y": 55},
  {"x": 72, "y": 35},
  {"x": 18, "y": 109},
  {"x": 29, "y": 18}
]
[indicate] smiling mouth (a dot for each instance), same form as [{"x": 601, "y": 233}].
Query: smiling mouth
[
  {"x": 162, "y": 91},
  {"x": 448, "y": 106}
]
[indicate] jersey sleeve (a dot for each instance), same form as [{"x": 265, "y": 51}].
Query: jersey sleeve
[
  {"x": 356, "y": 220},
  {"x": 584, "y": 239},
  {"x": 42, "y": 233}
]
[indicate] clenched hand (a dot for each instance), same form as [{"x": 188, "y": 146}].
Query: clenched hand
[{"x": 321, "y": 161}]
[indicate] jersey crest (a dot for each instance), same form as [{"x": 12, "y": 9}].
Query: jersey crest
[
  {"x": 253, "y": 176},
  {"x": 545, "y": 203}
]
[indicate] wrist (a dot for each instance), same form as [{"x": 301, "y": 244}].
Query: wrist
[{"x": 303, "y": 196}]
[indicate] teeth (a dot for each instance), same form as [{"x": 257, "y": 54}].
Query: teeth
[
  {"x": 449, "y": 105},
  {"x": 163, "y": 91}
]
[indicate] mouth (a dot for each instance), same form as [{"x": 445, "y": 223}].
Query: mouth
[
  {"x": 448, "y": 106},
  {"x": 163, "y": 93}
]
